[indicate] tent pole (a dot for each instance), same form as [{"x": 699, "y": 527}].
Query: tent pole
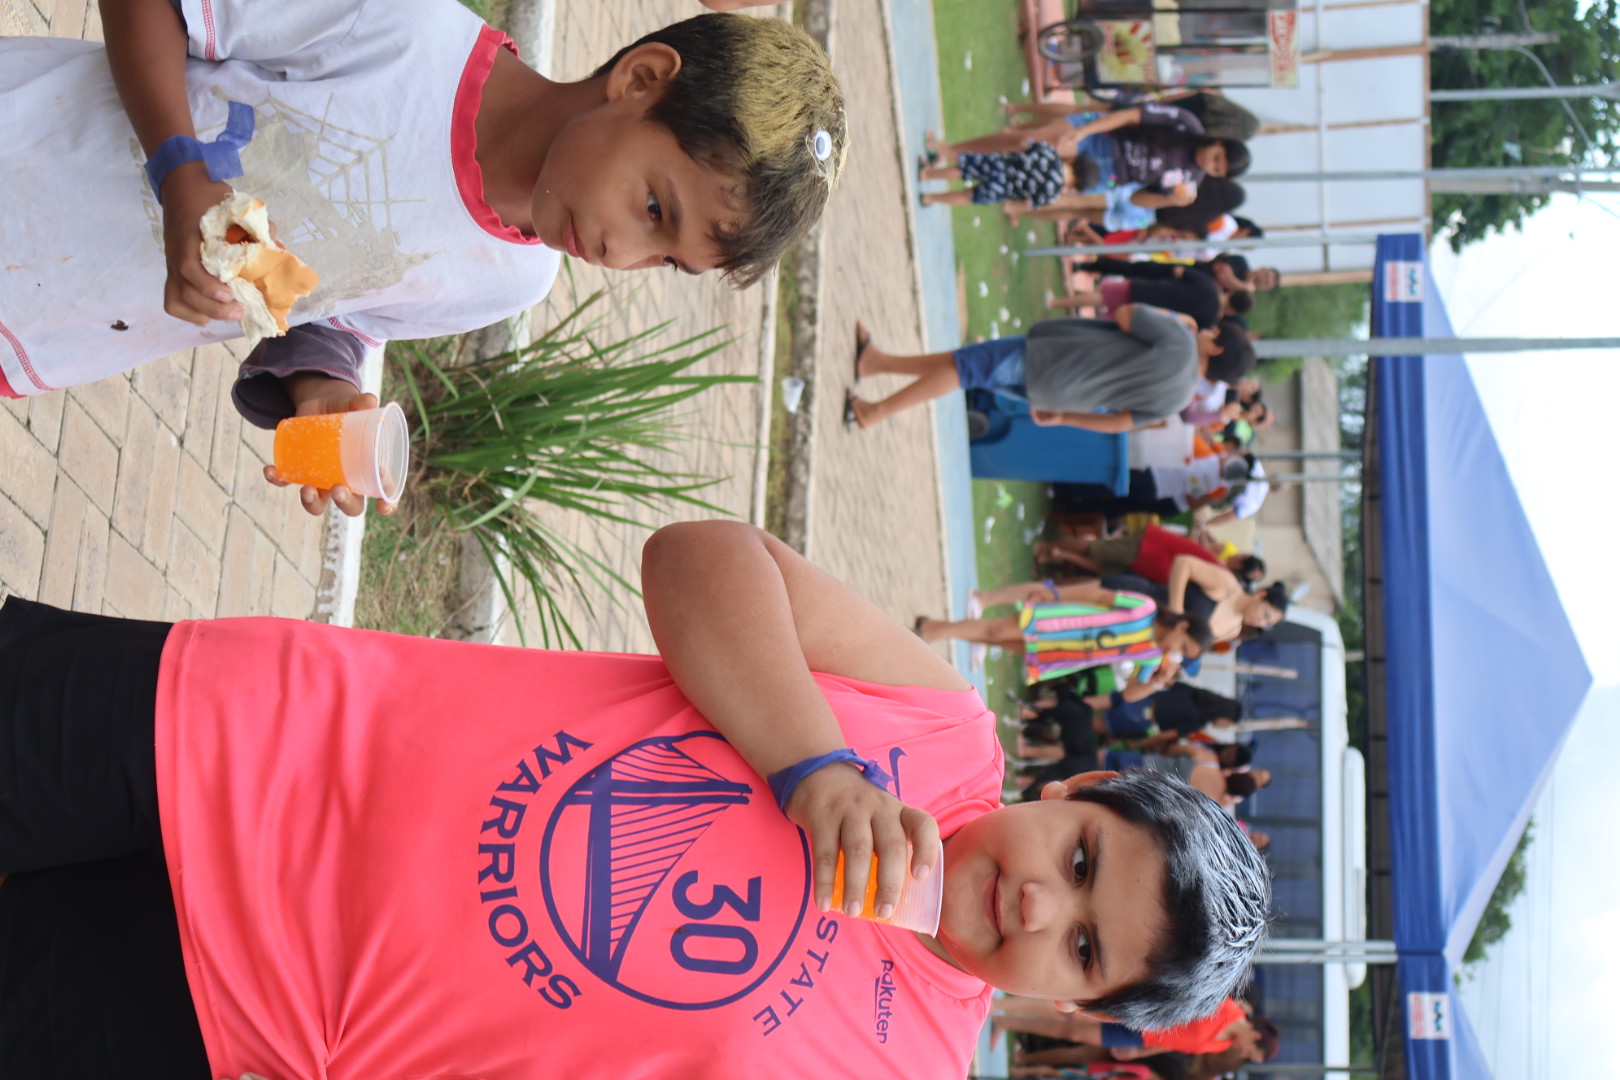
[{"x": 1402, "y": 346}]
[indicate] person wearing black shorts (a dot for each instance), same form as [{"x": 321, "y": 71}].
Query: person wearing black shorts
[{"x": 92, "y": 980}]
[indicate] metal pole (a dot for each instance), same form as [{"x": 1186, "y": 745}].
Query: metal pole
[
  {"x": 1274, "y": 347},
  {"x": 1493, "y": 41},
  {"x": 1190, "y": 247},
  {"x": 1307, "y": 1070},
  {"x": 1507, "y": 185},
  {"x": 1483, "y": 172},
  {"x": 1527, "y": 93},
  {"x": 1324, "y": 951},
  {"x": 1307, "y": 455},
  {"x": 1315, "y": 478}
]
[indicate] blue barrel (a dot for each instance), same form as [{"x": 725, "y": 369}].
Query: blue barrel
[{"x": 1007, "y": 445}]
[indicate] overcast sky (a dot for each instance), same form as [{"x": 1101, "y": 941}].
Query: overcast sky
[{"x": 1544, "y": 1002}]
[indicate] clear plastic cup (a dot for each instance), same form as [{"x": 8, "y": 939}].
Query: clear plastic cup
[
  {"x": 368, "y": 451},
  {"x": 917, "y": 908}
]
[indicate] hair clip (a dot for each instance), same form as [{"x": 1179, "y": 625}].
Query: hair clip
[{"x": 821, "y": 146}]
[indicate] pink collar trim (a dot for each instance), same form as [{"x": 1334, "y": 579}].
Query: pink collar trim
[{"x": 464, "y": 137}]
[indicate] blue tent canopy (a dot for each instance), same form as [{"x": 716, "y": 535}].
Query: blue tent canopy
[{"x": 1484, "y": 674}]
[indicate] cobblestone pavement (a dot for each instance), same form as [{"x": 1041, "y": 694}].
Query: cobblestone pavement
[{"x": 140, "y": 495}]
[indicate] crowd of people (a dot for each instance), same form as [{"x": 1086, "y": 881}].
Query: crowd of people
[
  {"x": 1128, "y": 609},
  {"x": 271, "y": 849}
]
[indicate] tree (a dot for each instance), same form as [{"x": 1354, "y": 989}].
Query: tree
[
  {"x": 1496, "y": 922},
  {"x": 1306, "y": 311},
  {"x": 1536, "y": 132}
]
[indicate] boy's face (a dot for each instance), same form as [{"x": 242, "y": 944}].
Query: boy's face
[
  {"x": 1056, "y": 898},
  {"x": 617, "y": 190},
  {"x": 1211, "y": 158}
]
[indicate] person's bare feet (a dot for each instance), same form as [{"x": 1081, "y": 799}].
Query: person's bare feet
[
  {"x": 864, "y": 412},
  {"x": 863, "y": 342}
]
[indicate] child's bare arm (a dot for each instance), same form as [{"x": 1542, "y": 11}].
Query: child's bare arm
[
  {"x": 146, "y": 49},
  {"x": 1105, "y": 423},
  {"x": 742, "y": 620}
]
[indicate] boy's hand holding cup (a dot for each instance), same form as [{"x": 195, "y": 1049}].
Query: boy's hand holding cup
[
  {"x": 1184, "y": 194},
  {"x": 857, "y": 828},
  {"x": 344, "y": 443}
]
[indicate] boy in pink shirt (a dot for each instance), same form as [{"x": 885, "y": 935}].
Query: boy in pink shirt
[{"x": 391, "y": 857}]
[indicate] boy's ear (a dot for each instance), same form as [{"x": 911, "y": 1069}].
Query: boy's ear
[
  {"x": 1075, "y": 1007},
  {"x": 645, "y": 69},
  {"x": 1062, "y": 789}
]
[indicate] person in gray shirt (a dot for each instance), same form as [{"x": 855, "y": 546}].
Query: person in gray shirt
[{"x": 1108, "y": 375}]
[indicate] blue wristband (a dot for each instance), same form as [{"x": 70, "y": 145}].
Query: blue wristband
[
  {"x": 222, "y": 156},
  {"x": 783, "y": 782}
]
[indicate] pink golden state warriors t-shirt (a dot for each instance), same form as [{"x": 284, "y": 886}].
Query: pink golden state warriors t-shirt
[{"x": 397, "y": 858}]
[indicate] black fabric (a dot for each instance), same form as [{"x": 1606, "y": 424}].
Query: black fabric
[
  {"x": 1186, "y": 709},
  {"x": 1142, "y": 496},
  {"x": 92, "y": 979},
  {"x": 1192, "y": 294},
  {"x": 78, "y": 774},
  {"x": 1197, "y": 601},
  {"x": 258, "y": 393}
]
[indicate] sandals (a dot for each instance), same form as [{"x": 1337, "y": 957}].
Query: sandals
[
  {"x": 862, "y": 340},
  {"x": 852, "y": 421}
]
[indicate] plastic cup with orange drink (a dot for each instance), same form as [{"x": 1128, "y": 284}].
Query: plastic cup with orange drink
[
  {"x": 367, "y": 450},
  {"x": 917, "y": 908}
]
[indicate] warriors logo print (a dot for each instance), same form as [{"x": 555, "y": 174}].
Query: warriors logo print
[{"x": 645, "y": 879}]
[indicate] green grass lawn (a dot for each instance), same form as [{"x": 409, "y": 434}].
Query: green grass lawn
[{"x": 981, "y": 65}]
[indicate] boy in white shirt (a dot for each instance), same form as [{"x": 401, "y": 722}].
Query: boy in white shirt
[{"x": 405, "y": 153}]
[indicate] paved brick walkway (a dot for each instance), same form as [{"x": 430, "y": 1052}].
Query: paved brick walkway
[{"x": 141, "y": 496}]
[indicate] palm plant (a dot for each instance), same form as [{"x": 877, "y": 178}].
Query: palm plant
[{"x": 567, "y": 421}]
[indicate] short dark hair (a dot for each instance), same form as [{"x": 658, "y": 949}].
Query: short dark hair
[
  {"x": 1217, "y": 899},
  {"x": 1249, "y": 224},
  {"x": 1237, "y": 157},
  {"x": 1242, "y": 784},
  {"x": 1251, "y": 568},
  {"x": 1237, "y": 352},
  {"x": 1234, "y": 755},
  {"x": 1276, "y": 595},
  {"x": 751, "y": 101},
  {"x": 1240, "y": 302}
]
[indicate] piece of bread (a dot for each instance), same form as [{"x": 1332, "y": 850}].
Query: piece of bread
[{"x": 265, "y": 277}]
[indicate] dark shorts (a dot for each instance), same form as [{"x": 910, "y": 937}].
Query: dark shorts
[
  {"x": 92, "y": 982},
  {"x": 996, "y": 365}
]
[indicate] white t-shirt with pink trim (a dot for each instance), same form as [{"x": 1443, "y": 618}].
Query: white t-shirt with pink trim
[
  {"x": 363, "y": 151},
  {"x": 396, "y": 858}
]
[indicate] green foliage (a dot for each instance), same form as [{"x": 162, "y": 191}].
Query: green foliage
[
  {"x": 1306, "y": 311},
  {"x": 1362, "y": 1043},
  {"x": 565, "y": 421},
  {"x": 1536, "y": 132},
  {"x": 1496, "y": 922}
]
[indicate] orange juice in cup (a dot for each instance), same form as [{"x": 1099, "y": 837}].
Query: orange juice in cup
[
  {"x": 368, "y": 451},
  {"x": 309, "y": 450},
  {"x": 919, "y": 904}
]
